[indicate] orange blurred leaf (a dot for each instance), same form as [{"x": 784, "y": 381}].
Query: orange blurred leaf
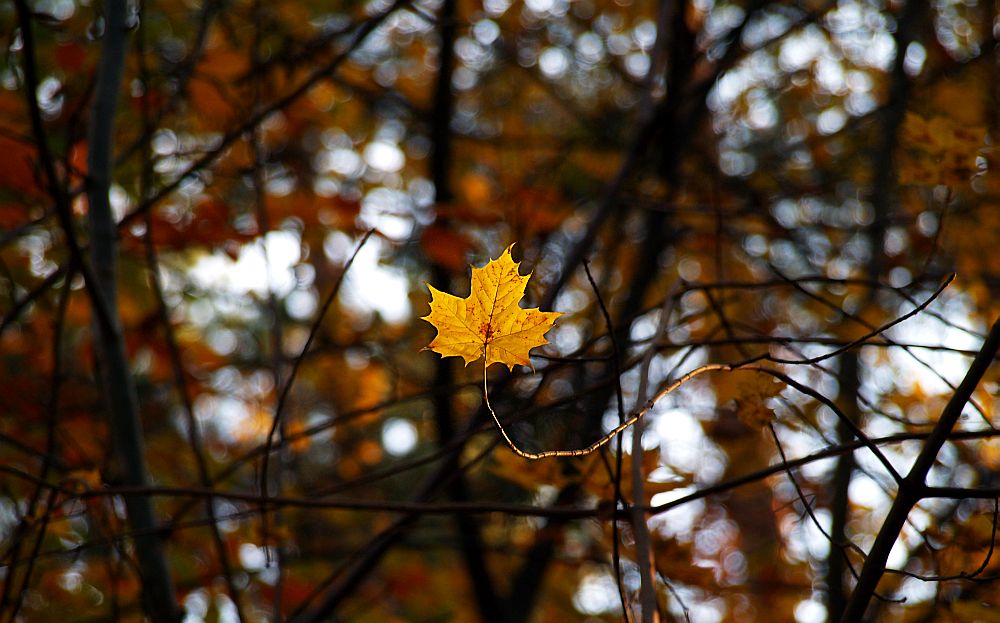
[{"x": 445, "y": 247}]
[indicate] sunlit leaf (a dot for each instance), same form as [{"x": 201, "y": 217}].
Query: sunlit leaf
[{"x": 489, "y": 322}]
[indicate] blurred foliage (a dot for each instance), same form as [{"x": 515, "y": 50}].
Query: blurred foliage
[{"x": 772, "y": 178}]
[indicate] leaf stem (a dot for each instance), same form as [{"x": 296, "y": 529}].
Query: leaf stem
[{"x": 503, "y": 432}]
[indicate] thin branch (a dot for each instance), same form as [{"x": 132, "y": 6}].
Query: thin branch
[
  {"x": 807, "y": 507},
  {"x": 19, "y": 535},
  {"x": 54, "y": 184},
  {"x": 874, "y": 332},
  {"x": 620, "y": 401},
  {"x": 868, "y": 325},
  {"x": 599, "y": 511},
  {"x": 287, "y": 388}
]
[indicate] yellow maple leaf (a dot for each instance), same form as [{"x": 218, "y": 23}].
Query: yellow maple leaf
[{"x": 489, "y": 322}]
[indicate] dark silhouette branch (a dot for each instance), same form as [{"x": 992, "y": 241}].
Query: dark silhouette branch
[
  {"x": 837, "y": 561},
  {"x": 20, "y": 533},
  {"x": 913, "y": 487},
  {"x": 616, "y": 362}
]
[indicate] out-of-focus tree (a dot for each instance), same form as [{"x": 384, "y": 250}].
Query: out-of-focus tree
[{"x": 218, "y": 220}]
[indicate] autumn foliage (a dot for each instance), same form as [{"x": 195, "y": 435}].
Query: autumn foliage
[{"x": 751, "y": 377}]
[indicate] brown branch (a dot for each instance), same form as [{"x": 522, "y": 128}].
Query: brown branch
[
  {"x": 959, "y": 493},
  {"x": 54, "y": 184}
]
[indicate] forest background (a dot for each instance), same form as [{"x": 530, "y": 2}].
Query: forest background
[{"x": 220, "y": 220}]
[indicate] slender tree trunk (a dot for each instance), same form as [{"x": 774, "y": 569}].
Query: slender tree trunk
[
  {"x": 119, "y": 389},
  {"x": 836, "y": 564}
]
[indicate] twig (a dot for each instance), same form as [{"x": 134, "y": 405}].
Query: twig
[
  {"x": 274, "y": 327},
  {"x": 806, "y": 506},
  {"x": 859, "y": 320},
  {"x": 959, "y": 494},
  {"x": 861, "y": 340}
]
